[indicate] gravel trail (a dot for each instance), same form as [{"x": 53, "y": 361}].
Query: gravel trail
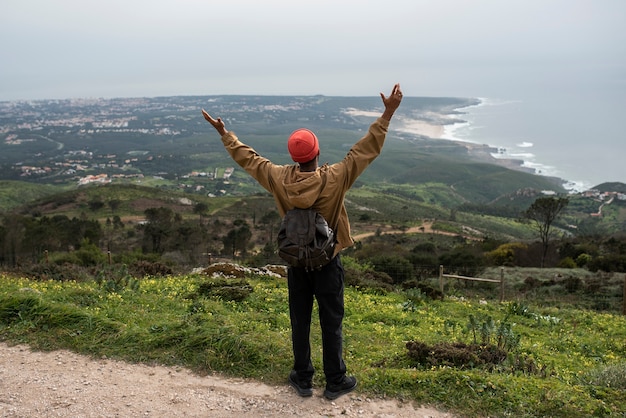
[{"x": 65, "y": 384}]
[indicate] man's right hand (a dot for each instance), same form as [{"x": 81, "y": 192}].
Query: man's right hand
[{"x": 392, "y": 102}]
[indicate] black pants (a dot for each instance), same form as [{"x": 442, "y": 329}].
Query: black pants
[{"x": 326, "y": 286}]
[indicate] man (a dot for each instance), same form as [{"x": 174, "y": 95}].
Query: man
[{"x": 304, "y": 185}]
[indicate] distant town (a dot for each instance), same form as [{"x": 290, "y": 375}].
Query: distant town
[{"x": 87, "y": 141}]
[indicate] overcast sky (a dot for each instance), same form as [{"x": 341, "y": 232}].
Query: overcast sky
[{"x": 479, "y": 48}]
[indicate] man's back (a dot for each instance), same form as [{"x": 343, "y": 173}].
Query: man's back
[{"x": 324, "y": 188}]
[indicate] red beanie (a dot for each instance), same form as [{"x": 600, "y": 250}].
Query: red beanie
[{"x": 303, "y": 145}]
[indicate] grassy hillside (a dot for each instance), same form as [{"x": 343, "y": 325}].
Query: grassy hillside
[
  {"x": 17, "y": 193},
  {"x": 397, "y": 205},
  {"x": 124, "y": 200},
  {"x": 462, "y": 199},
  {"x": 538, "y": 360},
  {"x": 611, "y": 187}
]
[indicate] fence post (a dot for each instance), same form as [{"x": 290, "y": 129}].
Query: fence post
[
  {"x": 441, "y": 278},
  {"x": 109, "y": 255},
  {"x": 46, "y": 253},
  {"x": 501, "y": 284}
]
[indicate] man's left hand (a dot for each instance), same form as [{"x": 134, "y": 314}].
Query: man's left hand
[{"x": 218, "y": 123}]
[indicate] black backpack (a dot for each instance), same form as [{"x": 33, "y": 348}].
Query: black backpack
[{"x": 305, "y": 239}]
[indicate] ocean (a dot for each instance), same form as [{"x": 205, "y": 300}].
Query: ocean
[{"x": 580, "y": 141}]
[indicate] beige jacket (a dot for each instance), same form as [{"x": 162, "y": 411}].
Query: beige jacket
[{"x": 324, "y": 189}]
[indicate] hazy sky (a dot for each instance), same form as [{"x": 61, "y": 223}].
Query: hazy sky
[{"x": 479, "y": 48}]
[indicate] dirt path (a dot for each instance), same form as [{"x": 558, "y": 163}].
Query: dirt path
[
  {"x": 65, "y": 384},
  {"x": 425, "y": 228}
]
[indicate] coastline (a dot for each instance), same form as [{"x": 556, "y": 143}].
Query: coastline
[
  {"x": 444, "y": 130},
  {"x": 442, "y": 126},
  {"x": 445, "y": 123}
]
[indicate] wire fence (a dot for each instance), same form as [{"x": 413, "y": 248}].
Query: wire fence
[{"x": 500, "y": 281}]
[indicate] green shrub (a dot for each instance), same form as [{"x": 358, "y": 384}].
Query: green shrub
[
  {"x": 377, "y": 281},
  {"x": 610, "y": 376},
  {"x": 611, "y": 262},
  {"x": 456, "y": 354},
  {"x": 398, "y": 268},
  {"x": 424, "y": 289},
  {"x": 54, "y": 271},
  {"x": 355, "y": 265},
  {"x": 463, "y": 261},
  {"x": 142, "y": 268},
  {"x": 224, "y": 289},
  {"x": 583, "y": 259},
  {"x": 505, "y": 254},
  {"x": 567, "y": 263},
  {"x": 424, "y": 247},
  {"x": 115, "y": 279}
]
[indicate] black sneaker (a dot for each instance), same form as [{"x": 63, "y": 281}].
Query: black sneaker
[
  {"x": 347, "y": 385},
  {"x": 303, "y": 387}
]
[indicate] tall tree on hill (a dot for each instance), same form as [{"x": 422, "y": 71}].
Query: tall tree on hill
[
  {"x": 12, "y": 232},
  {"x": 542, "y": 213},
  {"x": 159, "y": 226},
  {"x": 237, "y": 238},
  {"x": 270, "y": 221}
]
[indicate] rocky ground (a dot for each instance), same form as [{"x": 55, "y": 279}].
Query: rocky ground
[{"x": 65, "y": 384}]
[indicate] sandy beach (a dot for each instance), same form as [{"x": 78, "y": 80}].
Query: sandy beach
[
  {"x": 422, "y": 128},
  {"x": 435, "y": 126},
  {"x": 411, "y": 126},
  {"x": 479, "y": 152}
]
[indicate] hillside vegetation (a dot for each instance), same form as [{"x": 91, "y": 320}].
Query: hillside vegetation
[
  {"x": 16, "y": 193},
  {"x": 527, "y": 357},
  {"x": 182, "y": 228}
]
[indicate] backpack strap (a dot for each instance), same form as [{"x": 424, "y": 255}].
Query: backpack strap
[{"x": 335, "y": 214}]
